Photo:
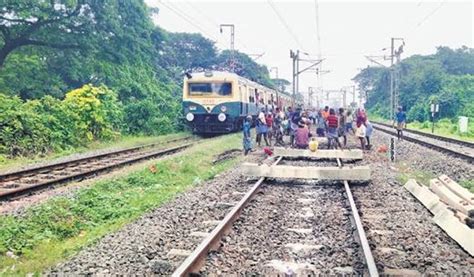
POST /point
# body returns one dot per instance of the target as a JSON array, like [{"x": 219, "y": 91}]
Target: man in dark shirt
[{"x": 401, "y": 119}]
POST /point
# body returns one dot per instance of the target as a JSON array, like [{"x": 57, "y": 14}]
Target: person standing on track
[
  {"x": 262, "y": 128},
  {"x": 325, "y": 112},
  {"x": 368, "y": 134},
  {"x": 320, "y": 125},
  {"x": 247, "y": 140},
  {"x": 349, "y": 121},
  {"x": 342, "y": 125},
  {"x": 332, "y": 123},
  {"x": 294, "y": 120},
  {"x": 401, "y": 119},
  {"x": 277, "y": 126},
  {"x": 361, "y": 127},
  {"x": 269, "y": 122}
]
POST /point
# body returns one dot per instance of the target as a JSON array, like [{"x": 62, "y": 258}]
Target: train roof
[
  {"x": 231, "y": 75},
  {"x": 225, "y": 74}
]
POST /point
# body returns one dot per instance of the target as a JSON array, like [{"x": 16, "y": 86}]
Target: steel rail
[
  {"x": 194, "y": 261},
  {"x": 416, "y": 132},
  {"x": 28, "y": 188},
  {"x": 6, "y": 175},
  {"x": 369, "y": 258},
  {"x": 467, "y": 157}
]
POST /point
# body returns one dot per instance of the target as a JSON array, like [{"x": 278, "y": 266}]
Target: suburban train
[{"x": 217, "y": 101}]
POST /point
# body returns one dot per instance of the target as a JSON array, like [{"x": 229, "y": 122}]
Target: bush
[
  {"x": 98, "y": 113},
  {"x": 49, "y": 124}
]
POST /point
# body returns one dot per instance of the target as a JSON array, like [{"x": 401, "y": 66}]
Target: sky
[{"x": 348, "y": 31}]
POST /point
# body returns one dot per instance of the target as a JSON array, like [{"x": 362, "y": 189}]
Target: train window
[{"x": 223, "y": 89}]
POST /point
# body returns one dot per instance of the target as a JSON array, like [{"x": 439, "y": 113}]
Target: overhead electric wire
[
  {"x": 318, "y": 37},
  {"x": 183, "y": 16},
  {"x": 288, "y": 28},
  {"x": 430, "y": 14},
  {"x": 210, "y": 20}
]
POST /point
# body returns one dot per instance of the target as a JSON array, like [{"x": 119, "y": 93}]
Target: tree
[
  {"x": 244, "y": 66},
  {"x": 445, "y": 76},
  {"x": 55, "y": 24}
]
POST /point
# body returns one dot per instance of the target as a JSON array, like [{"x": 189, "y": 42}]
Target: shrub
[{"x": 49, "y": 124}]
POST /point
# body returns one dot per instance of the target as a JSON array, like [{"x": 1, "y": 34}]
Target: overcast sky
[{"x": 348, "y": 30}]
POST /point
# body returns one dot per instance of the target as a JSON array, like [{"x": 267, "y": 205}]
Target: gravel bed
[
  {"x": 403, "y": 237},
  {"x": 145, "y": 246},
  {"x": 259, "y": 241},
  {"x": 75, "y": 156}
]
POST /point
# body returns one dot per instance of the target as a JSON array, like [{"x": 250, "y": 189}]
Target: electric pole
[
  {"x": 276, "y": 75},
  {"x": 394, "y": 74},
  {"x": 295, "y": 57},
  {"x": 232, "y": 36}
]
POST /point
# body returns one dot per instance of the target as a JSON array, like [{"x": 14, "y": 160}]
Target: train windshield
[{"x": 221, "y": 89}]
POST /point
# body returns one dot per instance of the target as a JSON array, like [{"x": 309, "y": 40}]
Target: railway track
[
  {"x": 457, "y": 148},
  {"x": 21, "y": 182},
  {"x": 194, "y": 262}
]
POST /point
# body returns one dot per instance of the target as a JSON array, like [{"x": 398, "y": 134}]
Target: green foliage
[
  {"x": 48, "y": 124},
  {"x": 244, "y": 66},
  {"x": 108, "y": 202},
  {"x": 48, "y": 48},
  {"x": 97, "y": 110},
  {"x": 445, "y": 77}
]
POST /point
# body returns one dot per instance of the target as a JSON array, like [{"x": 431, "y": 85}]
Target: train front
[{"x": 210, "y": 104}]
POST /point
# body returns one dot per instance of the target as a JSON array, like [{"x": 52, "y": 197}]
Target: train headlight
[
  {"x": 221, "y": 117},
  {"x": 223, "y": 109},
  {"x": 189, "y": 117}
]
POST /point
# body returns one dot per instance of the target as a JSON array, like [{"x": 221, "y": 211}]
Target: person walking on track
[
  {"x": 247, "y": 140},
  {"x": 401, "y": 119},
  {"x": 262, "y": 128},
  {"x": 332, "y": 123},
  {"x": 342, "y": 125},
  {"x": 361, "y": 122}
]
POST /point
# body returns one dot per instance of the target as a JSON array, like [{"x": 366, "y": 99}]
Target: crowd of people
[{"x": 335, "y": 125}]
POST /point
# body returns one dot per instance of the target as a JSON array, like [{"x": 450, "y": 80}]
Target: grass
[
  {"x": 123, "y": 142},
  {"x": 406, "y": 173},
  {"x": 469, "y": 184},
  {"x": 443, "y": 127},
  {"x": 423, "y": 177},
  {"x": 58, "y": 228}
]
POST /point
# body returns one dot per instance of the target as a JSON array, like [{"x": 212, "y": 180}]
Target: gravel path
[
  {"x": 294, "y": 228},
  {"x": 402, "y": 235},
  {"x": 160, "y": 240}
]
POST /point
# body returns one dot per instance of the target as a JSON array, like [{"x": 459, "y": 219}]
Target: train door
[
  {"x": 245, "y": 100},
  {"x": 241, "y": 92}
]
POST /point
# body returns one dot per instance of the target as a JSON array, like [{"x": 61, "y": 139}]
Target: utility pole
[
  {"x": 232, "y": 36},
  {"x": 394, "y": 91},
  {"x": 310, "y": 97},
  {"x": 276, "y": 75},
  {"x": 344, "y": 95},
  {"x": 295, "y": 56}
]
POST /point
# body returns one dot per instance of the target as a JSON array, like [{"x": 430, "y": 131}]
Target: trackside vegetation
[
  {"x": 445, "y": 78},
  {"x": 58, "y": 228},
  {"x": 63, "y": 63}
]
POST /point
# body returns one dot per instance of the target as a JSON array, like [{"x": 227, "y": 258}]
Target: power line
[
  {"x": 430, "y": 14},
  {"x": 282, "y": 20},
  {"x": 213, "y": 22},
  {"x": 316, "y": 11},
  {"x": 208, "y": 18},
  {"x": 185, "y": 17}
]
